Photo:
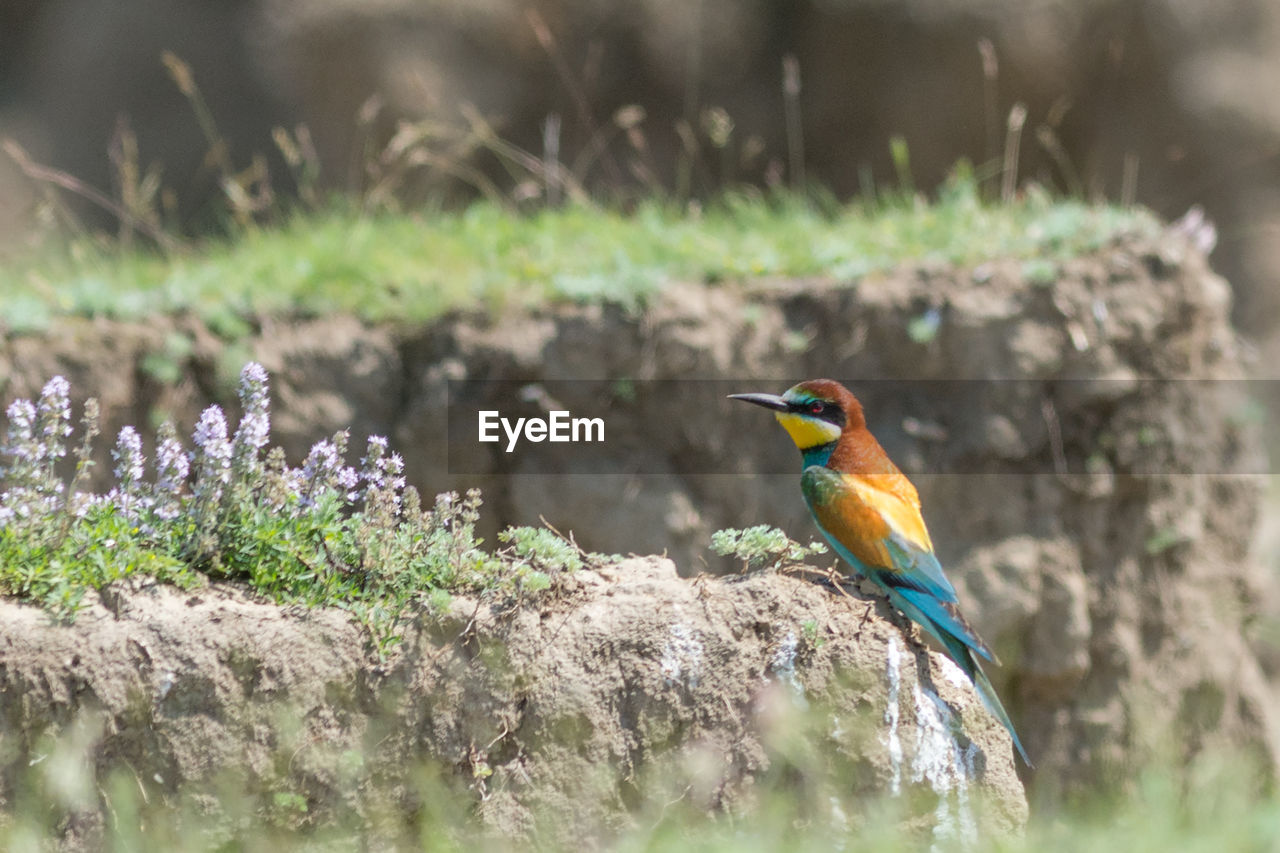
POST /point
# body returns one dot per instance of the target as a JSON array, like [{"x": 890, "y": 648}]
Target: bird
[{"x": 869, "y": 512}]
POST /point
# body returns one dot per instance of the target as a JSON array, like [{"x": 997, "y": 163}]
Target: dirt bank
[{"x": 565, "y": 719}]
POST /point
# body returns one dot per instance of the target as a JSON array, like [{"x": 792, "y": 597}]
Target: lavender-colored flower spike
[
  {"x": 55, "y": 418},
  {"x": 255, "y": 425},
  {"x": 22, "y": 425},
  {"x": 129, "y": 471},
  {"x": 22, "y": 419},
  {"x": 382, "y": 474},
  {"x": 34, "y": 487},
  {"x": 348, "y": 481},
  {"x": 321, "y": 463},
  {"x": 212, "y": 455},
  {"x": 128, "y": 458},
  {"x": 393, "y": 468},
  {"x": 371, "y": 467},
  {"x": 21, "y": 445},
  {"x": 172, "y": 468}
]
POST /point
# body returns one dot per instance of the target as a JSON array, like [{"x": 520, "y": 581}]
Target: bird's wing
[
  {"x": 879, "y": 523},
  {"x": 875, "y": 524}
]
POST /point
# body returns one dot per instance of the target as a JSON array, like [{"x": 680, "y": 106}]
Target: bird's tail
[
  {"x": 962, "y": 645},
  {"x": 963, "y": 655}
]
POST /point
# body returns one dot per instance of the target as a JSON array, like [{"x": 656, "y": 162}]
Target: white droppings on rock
[
  {"x": 682, "y": 656},
  {"x": 969, "y": 825},
  {"x": 839, "y": 824},
  {"x": 783, "y": 667},
  {"x": 167, "y": 680},
  {"x": 893, "y": 743},
  {"x": 940, "y": 763},
  {"x": 951, "y": 672}
]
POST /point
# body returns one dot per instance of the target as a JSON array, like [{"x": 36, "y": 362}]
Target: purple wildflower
[
  {"x": 393, "y": 472},
  {"x": 172, "y": 468},
  {"x": 371, "y": 466},
  {"x": 55, "y": 417},
  {"x": 382, "y": 475},
  {"x": 22, "y": 429},
  {"x": 127, "y": 453},
  {"x": 321, "y": 463},
  {"x": 255, "y": 425},
  {"x": 22, "y": 418},
  {"x": 20, "y": 441},
  {"x": 323, "y": 471},
  {"x": 128, "y": 458},
  {"x": 212, "y": 454},
  {"x": 348, "y": 479}
]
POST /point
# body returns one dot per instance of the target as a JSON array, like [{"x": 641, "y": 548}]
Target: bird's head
[{"x": 815, "y": 413}]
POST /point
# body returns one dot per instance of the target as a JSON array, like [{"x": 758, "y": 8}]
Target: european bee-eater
[{"x": 870, "y": 513}]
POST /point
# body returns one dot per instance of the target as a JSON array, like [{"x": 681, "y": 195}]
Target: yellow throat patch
[{"x": 808, "y": 432}]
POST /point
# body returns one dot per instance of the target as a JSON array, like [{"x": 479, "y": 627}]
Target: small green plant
[
  {"x": 542, "y": 549},
  {"x": 1162, "y": 540},
  {"x": 762, "y": 546},
  {"x": 289, "y": 804},
  {"x": 811, "y": 636},
  {"x": 1041, "y": 272}
]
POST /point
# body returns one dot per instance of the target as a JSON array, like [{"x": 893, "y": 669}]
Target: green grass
[
  {"x": 416, "y": 266},
  {"x": 1215, "y": 806}
]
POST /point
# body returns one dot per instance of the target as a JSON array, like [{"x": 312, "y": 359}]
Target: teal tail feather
[
  {"x": 961, "y": 644},
  {"x": 963, "y": 656}
]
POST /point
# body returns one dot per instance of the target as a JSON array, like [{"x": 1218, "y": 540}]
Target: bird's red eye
[{"x": 816, "y": 408}]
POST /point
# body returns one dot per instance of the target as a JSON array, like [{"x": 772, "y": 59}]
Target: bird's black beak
[{"x": 769, "y": 401}]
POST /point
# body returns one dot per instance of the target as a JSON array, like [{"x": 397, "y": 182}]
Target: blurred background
[{"x": 1164, "y": 102}]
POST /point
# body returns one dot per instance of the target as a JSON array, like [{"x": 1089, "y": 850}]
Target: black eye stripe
[{"x": 821, "y": 409}]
